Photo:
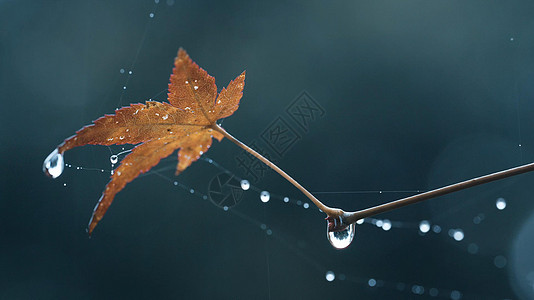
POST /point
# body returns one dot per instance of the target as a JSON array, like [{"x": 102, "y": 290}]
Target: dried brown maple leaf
[
  {"x": 185, "y": 123},
  {"x": 188, "y": 123}
]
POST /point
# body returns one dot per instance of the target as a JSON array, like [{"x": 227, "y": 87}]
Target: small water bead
[
  {"x": 379, "y": 223},
  {"x": 299, "y": 202},
  {"x": 306, "y": 205},
  {"x": 456, "y": 295},
  {"x": 192, "y": 191},
  {"x": 500, "y": 261},
  {"x": 124, "y": 87},
  {"x": 54, "y": 164},
  {"x": 458, "y": 235},
  {"x": 500, "y": 204},
  {"x": 371, "y": 282},
  {"x": 434, "y": 292},
  {"x": 330, "y": 276},
  {"x": 114, "y": 159},
  {"x": 151, "y": 15},
  {"x": 418, "y": 289},
  {"x": 265, "y": 196},
  {"x": 472, "y": 248},
  {"x": 386, "y": 225},
  {"x": 245, "y": 185},
  {"x": 121, "y": 71},
  {"x": 130, "y": 72},
  {"x": 424, "y": 226},
  {"x": 341, "y": 239},
  {"x": 286, "y": 199}
]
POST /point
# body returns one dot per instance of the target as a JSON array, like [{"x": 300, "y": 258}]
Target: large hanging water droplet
[
  {"x": 341, "y": 239},
  {"x": 113, "y": 159},
  {"x": 53, "y": 164}
]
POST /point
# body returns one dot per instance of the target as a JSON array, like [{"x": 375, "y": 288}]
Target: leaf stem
[
  {"x": 351, "y": 217},
  {"x": 328, "y": 210}
]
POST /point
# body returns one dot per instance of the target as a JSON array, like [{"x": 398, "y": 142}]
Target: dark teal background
[{"x": 416, "y": 94}]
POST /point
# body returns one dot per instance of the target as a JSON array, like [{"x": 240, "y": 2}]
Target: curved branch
[
  {"x": 347, "y": 218},
  {"x": 331, "y": 212}
]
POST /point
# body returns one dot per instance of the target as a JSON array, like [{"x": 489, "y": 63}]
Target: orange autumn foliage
[{"x": 185, "y": 123}]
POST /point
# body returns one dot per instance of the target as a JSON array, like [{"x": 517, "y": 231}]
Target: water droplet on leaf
[
  {"x": 53, "y": 164},
  {"x": 341, "y": 239}
]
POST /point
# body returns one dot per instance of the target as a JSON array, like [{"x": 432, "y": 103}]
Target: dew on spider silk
[
  {"x": 113, "y": 159},
  {"x": 265, "y": 196},
  {"x": 263, "y": 226},
  {"x": 192, "y": 191},
  {"x": 500, "y": 261},
  {"x": 436, "y": 228},
  {"x": 122, "y": 71},
  {"x": 360, "y": 221},
  {"x": 54, "y": 164},
  {"x": 458, "y": 235},
  {"x": 434, "y": 292},
  {"x": 151, "y": 15},
  {"x": 306, "y": 205},
  {"x": 269, "y": 232},
  {"x": 245, "y": 185},
  {"x": 341, "y": 239},
  {"x": 130, "y": 72},
  {"x": 286, "y": 199},
  {"x": 418, "y": 289},
  {"x": 472, "y": 248},
  {"x": 371, "y": 282},
  {"x": 330, "y": 276},
  {"x": 424, "y": 226},
  {"x": 456, "y": 295},
  {"x": 500, "y": 203},
  {"x": 379, "y": 223},
  {"x": 386, "y": 225}
]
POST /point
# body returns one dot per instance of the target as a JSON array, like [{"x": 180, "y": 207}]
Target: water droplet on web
[
  {"x": 330, "y": 276},
  {"x": 386, "y": 225},
  {"x": 151, "y": 15},
  {"x": 341, "y": 239},
  {"x": 424, "y": 226},
  {"x": 53, "y": 165},
  {"x": 114, "y": 159},
  {"x": 265, "y": 196},
  {"x": 500, "y": 203},
  {"x": 286, "y": 199},
  {"x": 245, "y": 185}
]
